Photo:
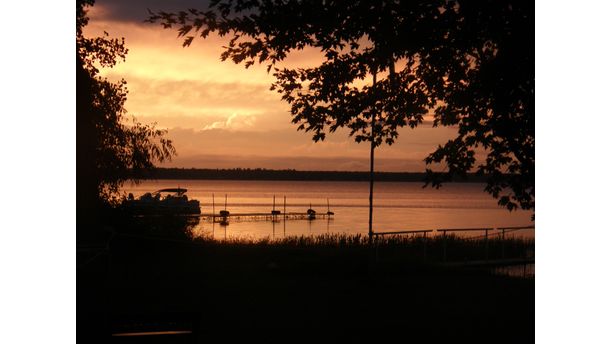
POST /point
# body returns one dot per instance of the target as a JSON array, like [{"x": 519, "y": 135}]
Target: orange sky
[{"x": 221, "y": 115}]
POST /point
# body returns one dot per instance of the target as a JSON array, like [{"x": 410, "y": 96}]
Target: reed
[
  {"x": 397, "y": 248},
  {"x": 400, "y": 248}
]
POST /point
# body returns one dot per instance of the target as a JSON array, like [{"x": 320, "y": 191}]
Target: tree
[
  {"x": 444, "y": 60},
  {"x": 110, "y": 150},
  {"x": 327, "y": 97},
  {"x": 491, "y": 100}
]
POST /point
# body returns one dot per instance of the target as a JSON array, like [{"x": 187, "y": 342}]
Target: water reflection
[
  {"x": 260, "y": 229},
  {"x": 398, "y": 206}
]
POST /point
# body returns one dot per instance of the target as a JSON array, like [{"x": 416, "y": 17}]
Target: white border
[
  {"x": 573, "y": 59},
  {"x": 37, "y": 253}
]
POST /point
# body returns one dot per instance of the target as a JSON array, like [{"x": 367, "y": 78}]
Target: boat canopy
[{"x": 179, "y": 191}]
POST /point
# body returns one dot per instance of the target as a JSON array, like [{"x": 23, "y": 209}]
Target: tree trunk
[{"x": 372, "y": 146}]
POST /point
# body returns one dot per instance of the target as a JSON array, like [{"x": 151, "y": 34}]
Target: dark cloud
[{"x": 136, "y": 10}]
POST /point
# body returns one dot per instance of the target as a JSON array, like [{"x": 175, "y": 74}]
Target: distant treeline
[{"x": 266, "y": 174}]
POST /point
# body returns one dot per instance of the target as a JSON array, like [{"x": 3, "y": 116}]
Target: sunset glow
[{"x": 221, "y": 115}]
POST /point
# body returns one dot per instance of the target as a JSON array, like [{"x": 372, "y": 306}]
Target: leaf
[{"x": 187, "y": 41}]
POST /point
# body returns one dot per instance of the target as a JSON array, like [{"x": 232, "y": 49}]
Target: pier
[
  {"x": 264, "y": 216},
  {"x": 224, "y": 216}
]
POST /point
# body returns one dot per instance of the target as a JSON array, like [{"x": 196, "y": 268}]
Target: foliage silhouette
[
  {"x": 110, "y": 149},
  {"x": 470, "y": 62},
  {"x": 492, "y": 100}
]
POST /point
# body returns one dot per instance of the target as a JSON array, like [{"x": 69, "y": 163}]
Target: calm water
[{"x": 397, "y": 206}]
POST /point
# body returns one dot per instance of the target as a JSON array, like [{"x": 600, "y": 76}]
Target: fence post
[
  {"x": 444, "y": 246},
  {"x": 424, "y": 246},
  {"x": 376, "y": 243},
  {"x": 503, "y": 255},
  {"x": 487, "y": 244}
]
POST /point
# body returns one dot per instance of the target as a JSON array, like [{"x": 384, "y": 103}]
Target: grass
[
  {"x": 412, "y": 248},
  {"x": 326, "y": 288}
]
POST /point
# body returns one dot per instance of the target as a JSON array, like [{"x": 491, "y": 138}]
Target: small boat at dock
[{"x": 312, "y": 214}]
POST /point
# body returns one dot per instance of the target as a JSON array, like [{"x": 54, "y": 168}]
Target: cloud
[
  {"x": 126, "y": 19},
  {"x": 135, "y": 11},
  {"x": 233, "y": 122},
  {"x": 203, "y": 94},
  {"x": 222, "y": 115},
  {"x": 190, "y": 88}
]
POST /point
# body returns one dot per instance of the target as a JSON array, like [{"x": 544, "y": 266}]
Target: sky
[{"x": 221, "y": 115}]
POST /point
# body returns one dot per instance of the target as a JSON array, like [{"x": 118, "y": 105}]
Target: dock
[
  {"x": 224, "y": 216},
  {"x": 265, "y": 216}
]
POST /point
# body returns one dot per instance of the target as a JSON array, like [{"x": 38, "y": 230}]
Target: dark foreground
[{"x": 222, "y": 293}]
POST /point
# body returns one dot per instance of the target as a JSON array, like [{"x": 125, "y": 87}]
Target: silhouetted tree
[
  {"x": 110, "y": 149},
  {"x": 491, "y": 99},
  {"x": 452, "y": 56}
]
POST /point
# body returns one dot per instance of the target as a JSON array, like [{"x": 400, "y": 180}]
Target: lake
[{"x": 397, "y": 206}]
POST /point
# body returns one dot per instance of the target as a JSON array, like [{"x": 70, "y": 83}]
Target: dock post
[
  {"x": 273, "y": 209},
  {"x": 213, "y": 207},
  {"x": 285, "y": 207}
]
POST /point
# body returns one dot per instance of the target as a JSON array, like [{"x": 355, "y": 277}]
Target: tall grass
[
  {"x": 411, "y": 247},
  {"x": 397, "y": 247}
]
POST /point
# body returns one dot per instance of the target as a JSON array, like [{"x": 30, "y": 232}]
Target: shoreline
[{"x": 295, "y": 175}]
